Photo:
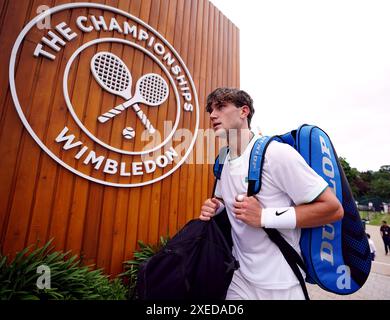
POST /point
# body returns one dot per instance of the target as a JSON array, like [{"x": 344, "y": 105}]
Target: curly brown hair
[{"x": 237, "y": 97}]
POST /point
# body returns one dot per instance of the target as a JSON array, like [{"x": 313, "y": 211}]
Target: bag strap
[
  {"x": 222, "y": 219},
  {"x": 292, "y": 257},
  {"x": 218, "y": 166},
  {"x": 254, "y": 185},
  {"x": 219, "y": 161}
]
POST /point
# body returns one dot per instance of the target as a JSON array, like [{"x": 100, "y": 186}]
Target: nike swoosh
[{"x": 279, "y": 213}]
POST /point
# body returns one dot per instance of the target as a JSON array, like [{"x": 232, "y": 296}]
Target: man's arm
[{"x": 323, "y": 210}]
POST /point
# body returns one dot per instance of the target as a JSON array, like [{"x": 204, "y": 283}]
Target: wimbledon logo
[{"x": 106, "y": 96}]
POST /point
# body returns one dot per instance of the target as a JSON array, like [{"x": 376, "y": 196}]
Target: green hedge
[
  {"x": 375, "y": 218},
  {"x": 69, "y": 279},
  {"x": 132, "y": 266}
]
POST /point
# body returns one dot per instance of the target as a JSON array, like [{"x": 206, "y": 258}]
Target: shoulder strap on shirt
[
  {"x": 218, "y": 165},
  {"x": 222, "y": 219},
  {"x": 256, "y": 162}
]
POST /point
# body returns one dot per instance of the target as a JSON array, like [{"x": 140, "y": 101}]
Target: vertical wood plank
[
  {"x": 207, "y": 73},
  {"x": 189, "y": 209},
  {"x": 200, "y": 79},
  {"x": 185, "y": 54},
  {"x": 176, "y": 176}
]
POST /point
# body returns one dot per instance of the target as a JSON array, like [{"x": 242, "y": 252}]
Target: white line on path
[{"x": 377, "y": 262}]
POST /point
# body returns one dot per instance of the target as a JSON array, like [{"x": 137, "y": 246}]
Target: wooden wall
[{"x": 40, "y": 200}]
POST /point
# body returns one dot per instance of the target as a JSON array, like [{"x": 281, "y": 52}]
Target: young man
[
  {"x": 385, "y": 233},
  {"x": 293, "y": 196}
]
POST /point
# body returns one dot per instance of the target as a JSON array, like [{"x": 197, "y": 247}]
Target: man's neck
[{"x": 238, "y": 141}]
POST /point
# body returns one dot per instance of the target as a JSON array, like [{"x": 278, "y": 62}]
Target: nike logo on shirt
[{"x": 280, "y": 213}]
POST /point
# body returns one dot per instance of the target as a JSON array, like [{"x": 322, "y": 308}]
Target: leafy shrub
[
  {"x": 145, "y": 252},
  {"x": 68, "y": 278}
]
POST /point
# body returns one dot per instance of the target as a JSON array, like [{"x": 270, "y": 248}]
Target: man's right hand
[{"x": 209, "y": 208}]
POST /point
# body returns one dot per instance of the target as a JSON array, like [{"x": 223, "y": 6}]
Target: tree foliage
[{"x": 369, "y": 186}]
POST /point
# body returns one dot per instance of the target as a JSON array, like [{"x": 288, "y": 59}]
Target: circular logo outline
[{"x": 20, "y": 112}]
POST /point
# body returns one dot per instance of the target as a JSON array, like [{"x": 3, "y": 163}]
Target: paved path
[{"x": 377, "y": 286}]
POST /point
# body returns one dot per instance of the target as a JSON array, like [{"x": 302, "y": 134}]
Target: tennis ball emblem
[{"x": 128, "y": 133}]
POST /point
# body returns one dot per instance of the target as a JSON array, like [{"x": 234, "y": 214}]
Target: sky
[{"x": 325, "y": 63}]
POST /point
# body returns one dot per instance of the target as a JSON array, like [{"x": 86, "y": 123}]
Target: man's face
[{"x": 226, "y": 117}]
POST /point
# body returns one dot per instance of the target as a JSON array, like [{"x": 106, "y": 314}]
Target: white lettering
[
  {"x": 123, "y": 170},
  {"x": 111, "y": 166},
  {"x": 137, "y": 168},
  {"x": 324, "y": 147},
  {"x": 327, "y": 167},
  {"x": 156, "y": 310},
  {"x": 99, "y": 23},
  {"x": 162, "y": 161},
  {"x": 150, "y": 166},
  {"x": 114, "y": 25},
  {"x": 159, "y": 49},
  {"x": 169, "y": 59},
  {"x": 39, "y": 51},
  {"x": 188, "y": 107},
  {"x": 130, "y": 29},
  {"x": 82, "y": 27},
  {"x": 328, "y": 231},
  {"x": 93, "y": 159},
  {"x": 326, "y": 252},
  {"x": 69, "y": 140},
  {"x": 344, "y": 281},
  {"x": 332, "y": 185},
  {"x": 182, "y": 80},
  {"x": 176, "y": 70},
  {"x": 171, "y": 153},
  {"x": 143, "y": 35},
  {"x": 151, "y": 41},
  {"x": 81, "y": 153},
  {"x": 54, "y": 41},
  {"x": 187, "y": 96},
  {"x": 65, "y": 31}
]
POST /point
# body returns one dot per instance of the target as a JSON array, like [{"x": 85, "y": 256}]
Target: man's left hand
[{"x": 248, "y": 210}]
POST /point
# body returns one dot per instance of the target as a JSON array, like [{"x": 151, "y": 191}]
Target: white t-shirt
[{"x": 286, "y": 181}]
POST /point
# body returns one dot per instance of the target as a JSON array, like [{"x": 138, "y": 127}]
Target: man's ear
[{"x": 245, "y": 110}]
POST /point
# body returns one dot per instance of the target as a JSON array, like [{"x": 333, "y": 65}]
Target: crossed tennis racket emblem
[{"x": 112, "y": 74}]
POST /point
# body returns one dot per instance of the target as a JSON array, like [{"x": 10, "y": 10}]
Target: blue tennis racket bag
[{"x": 336, "y": 256}]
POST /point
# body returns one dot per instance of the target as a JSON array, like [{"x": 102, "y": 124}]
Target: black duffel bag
[{"x": 197, "y": 263}]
